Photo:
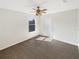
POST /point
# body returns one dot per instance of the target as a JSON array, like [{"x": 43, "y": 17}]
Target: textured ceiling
[{"x": 26, "y": 6}]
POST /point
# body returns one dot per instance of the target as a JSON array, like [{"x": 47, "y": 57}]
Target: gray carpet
[{"x": 40, "y": 48}]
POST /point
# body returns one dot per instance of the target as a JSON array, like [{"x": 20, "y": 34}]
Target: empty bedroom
[{"x": 39, "y": 29}]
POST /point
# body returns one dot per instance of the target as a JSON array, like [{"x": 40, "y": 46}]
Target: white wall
[
  {"x": 61, "y": 26},
  {"x": 45, "y": 25},
  {"x": 66, "y": 26},
  {"x": 78, "y": 27},
  {"x": 13, "y": 28}
]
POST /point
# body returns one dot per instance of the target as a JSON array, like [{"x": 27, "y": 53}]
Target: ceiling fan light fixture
[{"x": 39, "y": 11}]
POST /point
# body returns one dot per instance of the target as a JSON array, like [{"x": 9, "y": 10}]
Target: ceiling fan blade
[{"x": 44, "y": 10}]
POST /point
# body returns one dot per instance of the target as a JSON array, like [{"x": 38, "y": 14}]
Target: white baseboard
[{"x": 68, "y": 42}]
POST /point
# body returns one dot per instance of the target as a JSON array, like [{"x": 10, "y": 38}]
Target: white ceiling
[{"x": 26, "y": 6}]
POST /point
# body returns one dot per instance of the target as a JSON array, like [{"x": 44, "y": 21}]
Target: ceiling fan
[{"x": 39, "y": 11}]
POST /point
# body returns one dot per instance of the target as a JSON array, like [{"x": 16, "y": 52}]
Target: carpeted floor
[{"x": 40, "y": 48}]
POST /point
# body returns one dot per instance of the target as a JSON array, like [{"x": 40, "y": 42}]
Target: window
[{"x": 31, "y": 25}]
